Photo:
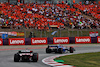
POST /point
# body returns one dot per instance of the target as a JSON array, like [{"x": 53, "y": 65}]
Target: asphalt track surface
[{"x": 7, "y": 54}]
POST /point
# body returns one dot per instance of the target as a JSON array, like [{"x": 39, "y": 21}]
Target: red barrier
[
  {"x": 1, "y": 42},
  {"x": 60, "y": 40},
  {"x": 98, "y": 39},
  {"x": 82, "y": 39},
  {"x": 38, "y": 41},
  {"x": 16, "y": 41}
]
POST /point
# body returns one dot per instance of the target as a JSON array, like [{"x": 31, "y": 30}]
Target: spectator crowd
[
  {"x": 44, "y": 16},
  {"x": 90, "y": 8}
]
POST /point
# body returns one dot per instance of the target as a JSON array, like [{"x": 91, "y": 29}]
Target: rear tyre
[
  {"x": 56, "y": 51},
  {"x": 60, "y": 50},
  {"x": 48, "y": 50},
  {"x": 16, "y": 58},
  {"x": 71, "y": 49},
  {"x": 35, "y": 57}
]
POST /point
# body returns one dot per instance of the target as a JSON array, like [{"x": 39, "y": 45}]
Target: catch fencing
[{"x": 33, "y": 33}]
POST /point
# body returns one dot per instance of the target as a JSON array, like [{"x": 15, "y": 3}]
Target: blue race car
[{"x": 59, "y": 49}]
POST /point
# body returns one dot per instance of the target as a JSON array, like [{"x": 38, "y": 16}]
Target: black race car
[{"x": 25, "y": 55}]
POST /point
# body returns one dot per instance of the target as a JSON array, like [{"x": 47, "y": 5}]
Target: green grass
[{"x": 82, "y": 60}]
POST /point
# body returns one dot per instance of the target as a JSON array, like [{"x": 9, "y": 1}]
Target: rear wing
[
  {"x": 59, "y": 46},
  {"x": 25, "y": 51},
  {"x": 52, "y": 46}
]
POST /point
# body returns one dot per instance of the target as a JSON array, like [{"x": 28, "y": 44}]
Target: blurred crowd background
[{"x": 49, "y": 14}]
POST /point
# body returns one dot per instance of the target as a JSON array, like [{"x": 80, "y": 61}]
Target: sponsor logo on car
[{"x": 26, "y": 54}]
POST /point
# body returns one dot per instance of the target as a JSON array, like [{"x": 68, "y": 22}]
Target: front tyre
[
  {"x": 55, "y": 51},
  {"x": 35, "y": 57},
  {"x": 16, "y": 58},
  {"x": 60, "y": 50}
]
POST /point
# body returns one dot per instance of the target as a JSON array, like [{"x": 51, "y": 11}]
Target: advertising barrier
[
  {"x": 16, "y": 41},
  {"x": 38, "y": 41},
  {"x": 98, "y": 39},
  {"x": 54, "y": 40},
  {"x": 93, "y": 39},
  {"x": 1, "y": 42},
  {"x": 60, "y": 40},
  {"x": 82, "y": 40}
]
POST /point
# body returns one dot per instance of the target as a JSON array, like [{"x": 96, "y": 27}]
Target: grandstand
[
  {"x": 42, "y": 1},
  {"x": 45, "y": 15}
]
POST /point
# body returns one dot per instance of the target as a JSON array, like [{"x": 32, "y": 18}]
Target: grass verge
[{"x": 82, "y": 60}]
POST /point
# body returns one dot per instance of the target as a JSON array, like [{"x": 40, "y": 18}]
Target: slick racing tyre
[
  {"x": 16, "y": 58},
  {"x": 71, "y": 49},
  {"x": 48, "y": 50},
  {"x": 35, "y": 57},
  {"x": 60, "y": 50},
  {"x": 55, "y": 51}
]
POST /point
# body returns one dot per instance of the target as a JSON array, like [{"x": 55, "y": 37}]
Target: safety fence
[
  {"x": 52, "y": 40},
  {"x": 31, "y": 33}
]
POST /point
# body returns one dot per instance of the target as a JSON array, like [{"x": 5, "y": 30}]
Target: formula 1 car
[
  {"x": 59, "y": 49},
  {"x": 25, "y": 55}
]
